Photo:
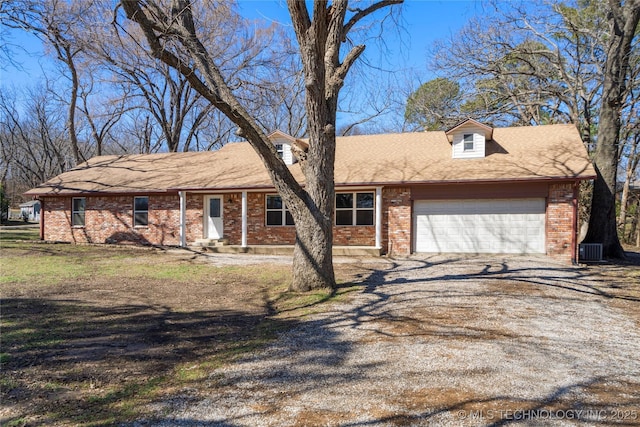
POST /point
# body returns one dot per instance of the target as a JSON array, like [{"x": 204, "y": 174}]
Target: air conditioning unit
[{"x": 590, "y": 252}]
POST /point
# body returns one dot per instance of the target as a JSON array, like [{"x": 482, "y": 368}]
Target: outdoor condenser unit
[{"x": 590, "y": 252}]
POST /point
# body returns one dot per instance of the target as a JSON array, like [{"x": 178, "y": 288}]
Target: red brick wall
[
  {"x": 194, "y": 214},
  {"x": 232, "y": 217},
  {"x": 358, "y": 235},
  {"x": 396, "y": 221},
  {"x": 57, "y": 219},
  {"x": 258, "y": 233},
  {"x": 560, "y": 221},
  {"x": 109, "y": 219}
]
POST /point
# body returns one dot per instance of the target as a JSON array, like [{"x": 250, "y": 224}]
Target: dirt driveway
[{"x": 444, "y": 341}]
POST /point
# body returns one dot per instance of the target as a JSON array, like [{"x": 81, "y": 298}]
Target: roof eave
[
  {"x": 97, "y": 193},
  {"x": 488, "y": 129},
  {"x": 470, "y": 181},
  {"x": 269, "y": 187}
]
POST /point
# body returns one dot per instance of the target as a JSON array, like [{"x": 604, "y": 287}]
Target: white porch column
[
  {"x": 183, "y": 218},
  {"x": 378, "y": 217},
  {"x": 244, "y": 219}
]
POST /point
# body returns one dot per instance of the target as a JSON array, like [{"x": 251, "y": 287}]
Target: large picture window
[
  {"x": 77, "y": 211},
  {"x": 277, "y": 212},
  {"x": 354, "y": 208},
  {"x": 141, "y": 211}
]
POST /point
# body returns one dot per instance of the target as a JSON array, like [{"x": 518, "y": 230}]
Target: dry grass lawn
[
  {"x": 98, "y": 335},
  {"x": 92, "y": 334}
]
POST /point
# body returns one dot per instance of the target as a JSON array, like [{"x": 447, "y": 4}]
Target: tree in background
[
  {"x": 528, "y": 65},
  {"x": 33, "y": 141},
  {"x": 435, "y": 105},
  {"x": 4, "y": 205},
  {"x": 623, "y": 25},
  {"x": 175, "y": 114},
  {"x": 51, "y": 22}
]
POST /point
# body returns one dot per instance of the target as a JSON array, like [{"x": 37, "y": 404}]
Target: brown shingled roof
[{"x": 514, "y": 154}]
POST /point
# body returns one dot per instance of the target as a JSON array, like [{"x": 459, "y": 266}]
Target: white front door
[{"x": 213, "y": 207}]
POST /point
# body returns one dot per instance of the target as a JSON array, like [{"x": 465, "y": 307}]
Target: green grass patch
[
  {"x": 48, "y": 269},
  {"x": 8, "y": 234},
  {"x": 142, "y": 269},
  {"x": 38, "y": 337},
  {"x": 4, "y": 358},
  {"x": 19, "y": 422}
]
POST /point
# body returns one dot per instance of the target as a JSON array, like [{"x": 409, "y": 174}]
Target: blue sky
[
  {"x": 402, "y": 55},
  {"x": 424, "y": 21}
]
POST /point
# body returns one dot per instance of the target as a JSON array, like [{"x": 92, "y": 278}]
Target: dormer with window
[
  {"x": 283, "y": 143},
  {"x": 468, "y": 139}
]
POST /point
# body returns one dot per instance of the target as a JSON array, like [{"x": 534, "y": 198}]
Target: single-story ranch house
[{"x": 471, "y": 189}]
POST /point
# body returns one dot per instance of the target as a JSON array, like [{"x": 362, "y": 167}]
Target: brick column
[
  {"x": 561, "y": 221},
  {"x": 396, "y": 220}
]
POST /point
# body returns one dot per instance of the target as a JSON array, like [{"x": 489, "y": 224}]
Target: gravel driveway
[{"x": 442, "y": 341}]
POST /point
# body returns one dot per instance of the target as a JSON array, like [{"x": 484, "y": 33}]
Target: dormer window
[
  {"x": 468, "y": 142},
  {"x": 280, "y": 150},
  {"x": 468, "y": 139},
  {"x": 283, "y": 144}
]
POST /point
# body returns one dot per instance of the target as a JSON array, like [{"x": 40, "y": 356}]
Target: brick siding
[
  {"x": 396, "y": 221},
  {"x": 560, "y": 221},
  {"x": 109, "y": 219},
  {"x": 194, "y": 217}
]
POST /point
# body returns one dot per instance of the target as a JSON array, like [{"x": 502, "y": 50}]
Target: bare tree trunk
[
  {"x": 602, "y": 223},
  {"x": 624, "y": 200},
  {"x": 634, "y": 225},
  {"x": 637, "y": 231},
  {"x": 630, "y": 169},
  {"x": 320, "y": 39},
  {"x": 71, "y": 116}
]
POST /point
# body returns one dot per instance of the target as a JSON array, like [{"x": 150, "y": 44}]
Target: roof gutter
[
  {"x": 468, "y": 181},
  {"x": 175, "y": 190}
]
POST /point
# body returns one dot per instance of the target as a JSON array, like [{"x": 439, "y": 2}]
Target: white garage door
[{"x": 480, "y": 226}]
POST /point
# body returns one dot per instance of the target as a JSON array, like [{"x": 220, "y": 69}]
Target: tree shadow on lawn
[
  {"x": 317, "y": 355},
  {"x": 72, "y": 362},
  {"x": 556, "y": 407},
  {"x": 607, "y": 400},
  {"x": 80, "y": 363}
]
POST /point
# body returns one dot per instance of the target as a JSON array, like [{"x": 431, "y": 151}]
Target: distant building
[{"x": 30, "y": 210}]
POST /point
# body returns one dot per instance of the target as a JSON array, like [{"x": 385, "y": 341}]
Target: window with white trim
[
  {"x": 354, "y": 208},
  {"x": 77, "y": 211},
  {"x": 468, "y": 142},
  {"x": 276, "y": 212},
  {"x": 141, "y": 211}
]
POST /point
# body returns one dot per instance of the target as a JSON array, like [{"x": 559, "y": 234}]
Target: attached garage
[
  {"x": 480, "y": 226},
  {"x": 470, "y": 189}
]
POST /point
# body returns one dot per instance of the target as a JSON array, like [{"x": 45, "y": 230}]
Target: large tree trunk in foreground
[
  {"x": 623, "y": 21},
  {"x": 312, "y": 255},
  {"x": 320, "y": 38}
]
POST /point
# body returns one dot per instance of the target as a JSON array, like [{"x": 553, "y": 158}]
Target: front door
[{"x": 214, "y": 217}]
